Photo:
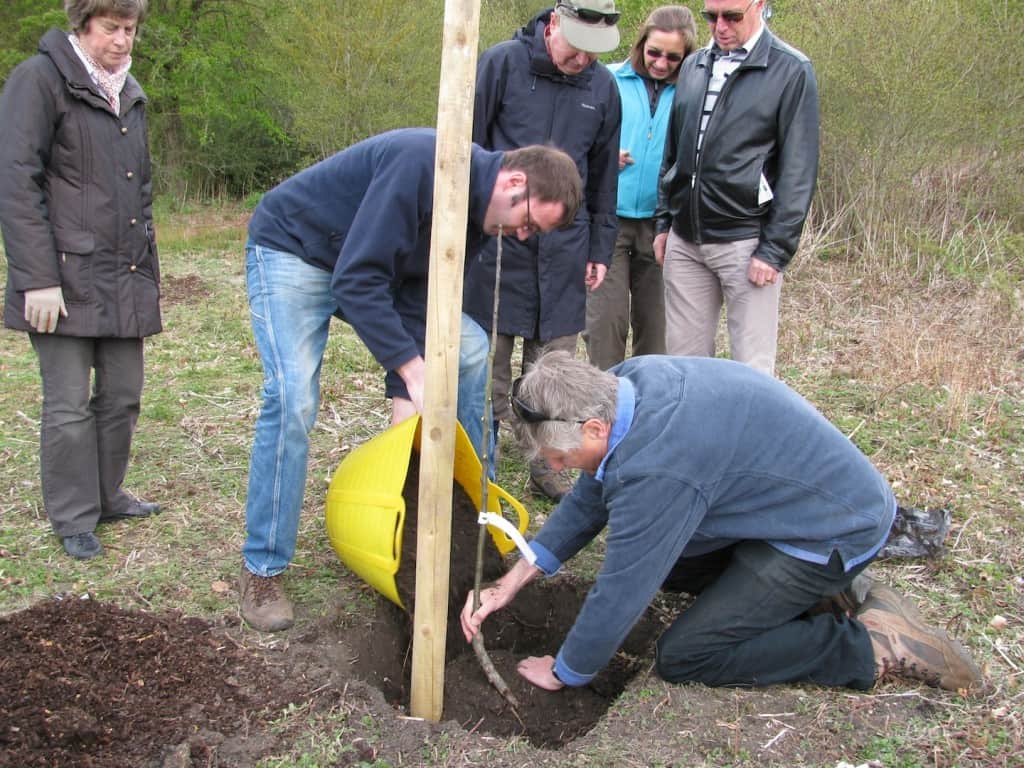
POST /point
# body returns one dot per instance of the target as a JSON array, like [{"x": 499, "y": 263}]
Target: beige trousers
[{"x": 698, "y": 278}]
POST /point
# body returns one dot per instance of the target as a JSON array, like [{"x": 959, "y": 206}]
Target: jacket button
[
  {"x": 131, "y": 268},
  {"x": 124, "y": 130},
  {"x": 130, "y": 174}
]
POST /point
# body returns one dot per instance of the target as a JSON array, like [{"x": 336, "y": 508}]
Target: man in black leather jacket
[{"x": 741, "y": 160}]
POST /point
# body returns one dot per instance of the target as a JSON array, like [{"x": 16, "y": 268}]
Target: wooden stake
[{"x": 444, "y": 302}]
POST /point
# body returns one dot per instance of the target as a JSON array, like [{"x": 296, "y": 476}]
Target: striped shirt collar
[{"x": 737, "y": 54}]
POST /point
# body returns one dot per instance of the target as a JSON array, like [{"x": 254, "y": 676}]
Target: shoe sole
[{"x": 900, "y": 614}]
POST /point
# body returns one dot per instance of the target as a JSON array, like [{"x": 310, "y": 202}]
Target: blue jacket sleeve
[
  {"x": 384, "y": 233},
  {"x": 26, "y": 134},
  {"x": 602, "y": 192},
  {"x": 651, "y": 519},
  {"x": 490, "y": 91}
]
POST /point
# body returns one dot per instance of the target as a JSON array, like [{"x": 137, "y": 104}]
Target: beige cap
[{"x": 589, "y": 25}]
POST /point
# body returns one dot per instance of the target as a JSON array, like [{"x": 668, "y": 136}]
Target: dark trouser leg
[
  {"x": 532, "y": 348},
  {"x": 747, "y": 626},
  {"x": 607, "y": 325},
  {"x": 68, "y": 462},
  {"x": 647, "y": 288},
  {"x": 501, "y": 376},
  {"x": 116, "y": 402}
]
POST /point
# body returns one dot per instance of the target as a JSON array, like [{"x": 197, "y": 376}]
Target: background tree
[{"x": 922, "y": 104}]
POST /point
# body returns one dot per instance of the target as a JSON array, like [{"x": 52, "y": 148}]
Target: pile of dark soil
[
  {"x": 87, "y": 684},
  {"x": 84, "y": 683}
]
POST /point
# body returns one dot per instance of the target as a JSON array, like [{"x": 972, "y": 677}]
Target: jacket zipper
[{"x": 694, "y": 195}]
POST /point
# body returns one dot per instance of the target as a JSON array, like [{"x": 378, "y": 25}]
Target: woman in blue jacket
[{"x": 646, "y": 84}]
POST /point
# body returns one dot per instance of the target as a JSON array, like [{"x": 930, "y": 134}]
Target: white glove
[{"x": 43, "y": 306}]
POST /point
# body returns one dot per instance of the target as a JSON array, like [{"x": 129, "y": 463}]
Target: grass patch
[{"x": 924, "y": 374}]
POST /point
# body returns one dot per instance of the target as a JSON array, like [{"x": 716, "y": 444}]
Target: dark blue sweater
[
  {"x": 703, "y": 453},
  {"x": 364, "y": 214}
]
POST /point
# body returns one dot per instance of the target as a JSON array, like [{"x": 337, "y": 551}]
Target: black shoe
[
  {"x": 83, "y": 546},
  {"x": 136, "y": 509}
]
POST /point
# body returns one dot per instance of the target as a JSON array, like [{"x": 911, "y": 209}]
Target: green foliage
[
  {"x": 359, "y": 69},
  {"x": 218, "y": 120},
  {"x": 921, "y": 147},
  {"x": 22, "y": 23}
]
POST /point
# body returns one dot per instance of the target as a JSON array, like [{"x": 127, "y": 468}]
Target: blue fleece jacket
[
  {"x": 643, "y": 134},
  {"x": 705, "y": 452},
  {"x": 364, "y": 214}
]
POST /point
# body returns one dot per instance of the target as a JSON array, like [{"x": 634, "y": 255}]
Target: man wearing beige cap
[{"x": 545, "y": 85}]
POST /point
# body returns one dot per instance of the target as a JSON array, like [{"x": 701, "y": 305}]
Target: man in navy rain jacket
[
  {"x": 546, "y": 86},
  {"x": 715, "y": 479}
]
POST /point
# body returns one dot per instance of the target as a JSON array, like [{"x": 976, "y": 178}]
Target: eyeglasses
[
  {"x": 529, "y": 225},
  {"x": 528, "y": 414},
  {"x": 590, "y": 17},
  {"x": 654, "y": 53},
  {"x": 730, "y": 17}
]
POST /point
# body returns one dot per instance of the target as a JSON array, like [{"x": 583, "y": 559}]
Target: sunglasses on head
[
  {"x": 655, "y": 53},
  {"x": 528, "y": 414},
  {"x": 732, "y": 17},
  {"x": 590, "y": 17}
]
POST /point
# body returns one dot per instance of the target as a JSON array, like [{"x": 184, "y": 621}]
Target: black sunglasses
[
  {"x": 590, "y": 17},
  {"x": 732, "y": 17},
  {"x": 655, "y": 53},
  {"x": 528, "y": 414}
]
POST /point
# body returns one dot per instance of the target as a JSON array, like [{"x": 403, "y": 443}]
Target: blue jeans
[
  {"x": 290, "y": 305},
  {"x": 748, "y": 626}
]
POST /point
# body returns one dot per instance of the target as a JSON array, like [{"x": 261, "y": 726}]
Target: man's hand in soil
[
  {"x": 492, "y": 598},
  {"x": 495, "y": 597},
  {"x": 540, "y": 670}
]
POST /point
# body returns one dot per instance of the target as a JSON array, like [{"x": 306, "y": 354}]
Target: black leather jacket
[{"x": 765, "y": 122}]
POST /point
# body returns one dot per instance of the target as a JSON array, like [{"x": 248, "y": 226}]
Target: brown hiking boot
[
  {"x": 552, "y": 484},
  {"x": 906, "y": 647},
  {"x": 264, "y": 606}
]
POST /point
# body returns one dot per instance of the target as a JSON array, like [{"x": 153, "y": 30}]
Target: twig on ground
[{"x": 493, "y": 677}]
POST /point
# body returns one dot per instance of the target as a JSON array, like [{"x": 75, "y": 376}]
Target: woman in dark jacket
[{"x": 83, "y": 279}]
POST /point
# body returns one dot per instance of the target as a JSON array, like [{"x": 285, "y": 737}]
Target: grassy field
[{"x": 923, "y": 369}]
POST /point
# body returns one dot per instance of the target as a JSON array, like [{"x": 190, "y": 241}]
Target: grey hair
[
  {"x": 569, "y": 390},
  {"x": 80, "y": 11}
]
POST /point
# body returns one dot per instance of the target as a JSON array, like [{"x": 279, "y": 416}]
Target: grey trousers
[
  {"x": 86, "y": 432},
  {"x": 632, "y": 295},
  {"x": 697, "y": 279},
  {"x": 502, "y": 374}
]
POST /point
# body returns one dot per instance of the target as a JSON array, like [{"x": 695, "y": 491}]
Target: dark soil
[
  {"x": 533, "y": 625},
  {"x": 186, "y": 289},
  {"x": 84, "y": 683},
  {"x": 88, "y": 684}
]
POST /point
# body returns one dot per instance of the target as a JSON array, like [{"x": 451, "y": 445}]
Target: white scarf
[{"x": 109, "y": 82}]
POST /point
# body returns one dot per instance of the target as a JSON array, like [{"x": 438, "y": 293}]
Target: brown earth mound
[{"x": 84, "y": 683}]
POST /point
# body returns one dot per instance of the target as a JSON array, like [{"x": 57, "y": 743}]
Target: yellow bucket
[{"x": 366, "y": 510}]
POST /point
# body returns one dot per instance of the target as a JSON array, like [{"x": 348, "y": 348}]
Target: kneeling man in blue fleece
[{"x": 717, "y": 480}]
